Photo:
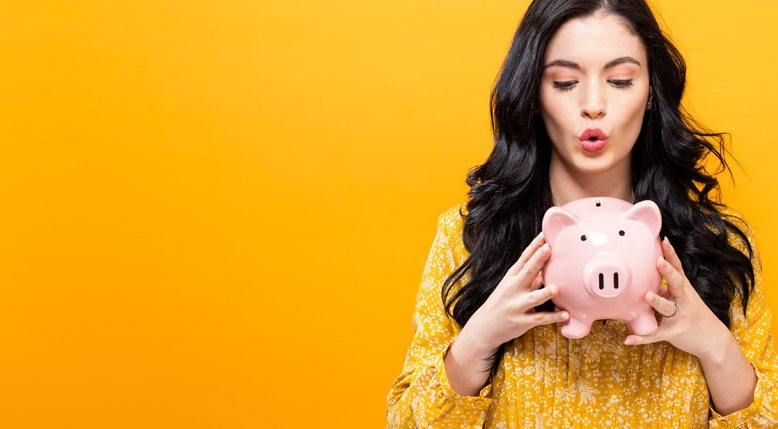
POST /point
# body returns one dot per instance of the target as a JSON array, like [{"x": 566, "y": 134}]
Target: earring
[{"x": 650, "y": 95}]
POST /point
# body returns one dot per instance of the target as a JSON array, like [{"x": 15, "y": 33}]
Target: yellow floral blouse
[{"x": 546, "y": 380}]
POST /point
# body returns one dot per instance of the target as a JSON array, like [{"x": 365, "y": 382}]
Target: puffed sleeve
[
  {"x": 752, "y": 333},
  {"x": 421, "y": 396}
]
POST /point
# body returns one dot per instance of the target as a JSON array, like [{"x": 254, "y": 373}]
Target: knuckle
[
  {"x": 538, "y": 318},
  {"x": 539, "y": 255},
  {"x": 514, "y": 308},
  {"x": 514, "y": 324},
  {"x": 532, "y": 298}
]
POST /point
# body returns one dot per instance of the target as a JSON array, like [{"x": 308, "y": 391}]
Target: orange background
[{"x": 216, "y": 213}]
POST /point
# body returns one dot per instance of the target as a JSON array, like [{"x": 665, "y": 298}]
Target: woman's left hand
[{"x": 694, "y": 328}]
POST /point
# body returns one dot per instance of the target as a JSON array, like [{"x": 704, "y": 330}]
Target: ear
[
  {"x": 650, "y": 98},
  {"x": 647, "y": 213},
  {"x": 555, "y": 220}
]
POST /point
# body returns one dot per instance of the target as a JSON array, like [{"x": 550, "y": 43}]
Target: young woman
[{"x": 486, "y": 352}]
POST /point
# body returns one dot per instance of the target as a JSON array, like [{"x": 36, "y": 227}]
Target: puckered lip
[{"x": 593, "y": 132}]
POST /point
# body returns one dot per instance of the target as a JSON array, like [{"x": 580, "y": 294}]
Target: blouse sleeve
[
  {"x": 421, "y": 396},
  {"x": 752, "y": 333}
]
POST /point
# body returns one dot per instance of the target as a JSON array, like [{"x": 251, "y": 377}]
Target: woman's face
[{"x": 595, "y": 77}]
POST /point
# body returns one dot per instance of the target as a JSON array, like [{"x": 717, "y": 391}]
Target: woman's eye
[
  {"x": 621, "y": 83},
  {"x": 564, "y": 86}
]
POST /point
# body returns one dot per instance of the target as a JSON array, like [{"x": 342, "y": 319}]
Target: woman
[{"x": 486, "y": 353}]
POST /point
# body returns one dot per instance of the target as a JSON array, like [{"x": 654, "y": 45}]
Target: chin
[
  {"x": 595, "y": 166},
  {"x": 593, "y": 171}
]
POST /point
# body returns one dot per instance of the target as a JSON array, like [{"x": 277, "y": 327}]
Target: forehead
[{"x": 593, "y": 41}]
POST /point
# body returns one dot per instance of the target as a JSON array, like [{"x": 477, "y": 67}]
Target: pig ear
[
  {"x": 555, "y": 220},
  {"x": 647, "y": 213}
]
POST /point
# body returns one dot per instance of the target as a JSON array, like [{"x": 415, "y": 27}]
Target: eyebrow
[{"x": 609, "y": 64}]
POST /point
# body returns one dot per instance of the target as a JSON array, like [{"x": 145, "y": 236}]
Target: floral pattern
[{"x": 546, "y": 380}]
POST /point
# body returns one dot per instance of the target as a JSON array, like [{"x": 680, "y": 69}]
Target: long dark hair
[{"x": 510, "y": 192}]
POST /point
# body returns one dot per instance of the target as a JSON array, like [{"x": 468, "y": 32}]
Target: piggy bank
[{"x": 603, "y": 257}]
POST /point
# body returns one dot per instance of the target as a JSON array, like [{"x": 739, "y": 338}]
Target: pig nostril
[
  {"x": 602, "y": 283},
  {"x": 615, "y": 280}
]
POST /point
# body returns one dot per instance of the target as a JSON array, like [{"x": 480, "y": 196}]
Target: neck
[{"x": 568, "y": 185}]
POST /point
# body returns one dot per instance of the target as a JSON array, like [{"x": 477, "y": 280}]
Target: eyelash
[{"x": 568, "y": 86}]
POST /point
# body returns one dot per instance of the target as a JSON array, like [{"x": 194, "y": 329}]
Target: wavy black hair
[{"x": 510, "y": 192}]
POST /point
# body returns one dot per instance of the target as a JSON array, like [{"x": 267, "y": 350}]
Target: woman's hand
[
  {"x": 509, "y": 311},
  {"x": 694, "y": 328}
]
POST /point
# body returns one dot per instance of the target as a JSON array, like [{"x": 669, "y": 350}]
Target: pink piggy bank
[{"x": 604, "y": 254}]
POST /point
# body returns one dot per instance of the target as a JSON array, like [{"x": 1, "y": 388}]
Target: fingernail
[
  {"x": 552, "y": 288},
  {"x": 544, "y": 249},
  {"x": 628, "y": 341},
  {"x": 650, "y": 296},
  {"x": 563, "y": 316},
  {"x": 661, "y": 262},
  {"x": 667, "y": 241}
]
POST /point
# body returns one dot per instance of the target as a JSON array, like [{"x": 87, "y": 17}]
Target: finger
[
  {"x": 547, "y": 317},
  {"x": 671, "y": 256},
  {"x": 537, "y": 282},
  {"x": 531, "y": 269},
  {"x": 540, "y": 296},
  {"x": 634, "y": 340},
  {"x": 536, "y": 243},
  {"x": 664, "y": 290},
  {"x": 664, "y": 306},
  {"x": 675, "y": 280}
]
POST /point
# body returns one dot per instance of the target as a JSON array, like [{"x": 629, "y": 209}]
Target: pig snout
[{"x": 607, "y": 276}]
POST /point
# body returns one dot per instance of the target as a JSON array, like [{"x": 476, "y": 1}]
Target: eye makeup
[{"x": 568, "y": 85}]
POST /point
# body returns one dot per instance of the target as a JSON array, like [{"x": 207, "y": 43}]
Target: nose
[
  {"x": 608, "y": 281},
  {"x": 607, "y": 276},
  {"x": 593, "y": 104}
]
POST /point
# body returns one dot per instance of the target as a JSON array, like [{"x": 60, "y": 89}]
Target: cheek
[
  {"x": 558, "y": 115},
  {"x": 631, "y": 119}
]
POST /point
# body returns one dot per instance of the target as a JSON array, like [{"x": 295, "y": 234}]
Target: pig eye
[
  {"x": 621, "y": 233},
  {"x": 583, "y": 238}
]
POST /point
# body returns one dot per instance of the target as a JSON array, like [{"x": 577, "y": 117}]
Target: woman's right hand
[{"x": 509, "y": 311}]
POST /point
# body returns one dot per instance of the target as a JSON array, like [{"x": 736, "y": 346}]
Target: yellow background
[{"x": 216, "y": 213}]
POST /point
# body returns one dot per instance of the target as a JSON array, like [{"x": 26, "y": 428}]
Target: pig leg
[
  {"x": 644, "y": 323},
  {"x": 576, "y": 328}
]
